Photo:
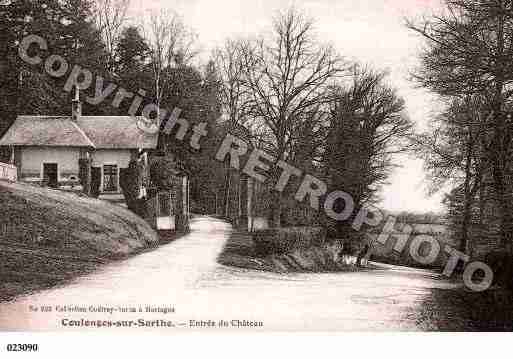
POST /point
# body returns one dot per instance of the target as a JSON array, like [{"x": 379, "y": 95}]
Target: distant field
[
  {"x": 434, "y": 229},
  {"x": 440, "y": 232}
]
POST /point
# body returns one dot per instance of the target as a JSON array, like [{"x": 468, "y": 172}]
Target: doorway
[{"x": 50, "y": 174}]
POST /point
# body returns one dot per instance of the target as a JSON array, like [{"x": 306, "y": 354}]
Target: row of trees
[
  {"x": 285, "y": 92},
  {"x": 302, "y": 102},
  {"x": 153, "y": 54},
  {"x": 467, "y": 61},
  {"x": 66, "y": 27}
]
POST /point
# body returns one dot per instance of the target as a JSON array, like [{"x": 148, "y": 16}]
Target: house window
[
  {"x": 110, "y": 178},
  {"x": 50, "y": 174}
]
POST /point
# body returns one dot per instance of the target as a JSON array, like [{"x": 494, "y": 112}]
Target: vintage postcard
[{"x": 255, "y": 166}]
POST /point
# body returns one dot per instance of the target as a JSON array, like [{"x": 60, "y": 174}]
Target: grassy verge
[
  {"x": 449, "y": 310},
  {"x": 49, "y": 237},
  {"x": 240, "y": 251}
]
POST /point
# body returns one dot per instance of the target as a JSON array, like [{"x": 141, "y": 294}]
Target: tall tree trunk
[
  {"x": 276, "y": 204},
  {"x": 507, "y": 226},
  {"x": 464, "y": 245},
  {"x": 239, "y": 201},
  {"x": 251, "y": 207},
  {"x": 499, "y": 151},
  {"x": 227, "y": 194},
  {"x": 276, "y": 207}
]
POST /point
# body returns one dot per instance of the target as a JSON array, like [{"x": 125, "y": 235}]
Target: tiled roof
[
  {"x": 116, "y": 132},
  {"x": 45, "y": 131},
  {"x": 100, "y": 132}
]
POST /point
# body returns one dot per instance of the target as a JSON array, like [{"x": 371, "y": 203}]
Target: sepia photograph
[{"x": 191, "y": 166}]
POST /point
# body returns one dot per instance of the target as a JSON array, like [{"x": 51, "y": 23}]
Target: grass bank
[
  {"x": 449, "y": 310},
  {"x": 48, "y": 237},
  {"x": 240, "y": 251}
]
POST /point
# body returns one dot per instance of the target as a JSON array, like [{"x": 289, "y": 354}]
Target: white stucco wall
[
  {"x": 106, "y": 157},
  {"x": 32, "y": 159},
  {"x": 67, "y": 159}
]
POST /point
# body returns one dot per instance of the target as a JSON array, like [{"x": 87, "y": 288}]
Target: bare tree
[
  {"x": 229, "y": 63},
  {"x": 234, "y": 98},
  {"x": 288, "y": 75},
  {"x": 171, "y": 45},
  {"x": 110, "y": 16}
]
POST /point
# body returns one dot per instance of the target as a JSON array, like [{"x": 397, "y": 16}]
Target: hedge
[{"x": 287, "y": 239}]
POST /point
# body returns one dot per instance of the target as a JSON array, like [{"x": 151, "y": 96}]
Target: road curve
[{"x": 184, "y": 275}]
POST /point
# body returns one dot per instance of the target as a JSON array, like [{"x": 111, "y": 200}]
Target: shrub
[
  {"x": 287, "y": 239},
  {"x": 96, "y": 178},
  {"x": 84, "y": 174},
  {"x": 129, "y": 181},
  {"x": 164, "y": 172},
  {"x": 501, "y": 263}
]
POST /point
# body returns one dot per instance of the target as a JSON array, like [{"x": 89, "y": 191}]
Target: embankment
[
  {"x": 293, "y": 250},
  {"x": 48, "y": 237}
]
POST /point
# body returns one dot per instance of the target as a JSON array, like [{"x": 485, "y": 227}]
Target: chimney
[{"x": 76, "y": 106}]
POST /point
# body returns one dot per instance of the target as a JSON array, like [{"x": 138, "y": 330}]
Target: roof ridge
[
  {"x": 111, "y": 116},
  {"x": 43, "y": 116},
  {"x": 97, "y": 132}
]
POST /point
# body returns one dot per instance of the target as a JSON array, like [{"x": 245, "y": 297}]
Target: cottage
[
  {"x": 91, "y": 154},
  {"x": 50, "y": 149}
]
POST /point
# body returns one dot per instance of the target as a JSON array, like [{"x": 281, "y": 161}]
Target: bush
[
  {"x": 129, "y": 181},
  {"x": 96, "y": 178},
  {"x": 84, "y": 174},
  {"x": 164, "y": 172},
  {"x": 501, "y": 263},
  {"x": 287, "y": 239}
]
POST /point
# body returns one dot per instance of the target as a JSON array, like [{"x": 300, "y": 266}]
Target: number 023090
[{"x": 22, "y": 347}]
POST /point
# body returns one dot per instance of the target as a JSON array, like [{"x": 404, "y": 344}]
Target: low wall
[{"x": 8, "y": 172}]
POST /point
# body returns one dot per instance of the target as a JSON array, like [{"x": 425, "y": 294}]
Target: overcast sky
[{"x": 371, "y": 31}]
